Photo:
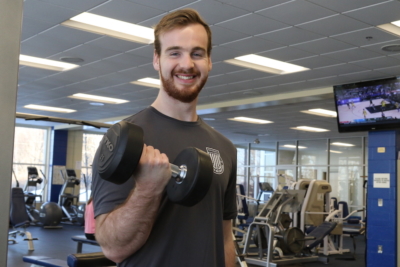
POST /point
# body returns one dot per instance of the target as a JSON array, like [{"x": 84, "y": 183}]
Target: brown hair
[{"x": 179, "y": 19}]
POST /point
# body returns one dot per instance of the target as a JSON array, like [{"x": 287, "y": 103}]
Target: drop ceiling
[{"x": 339, "y": 42}]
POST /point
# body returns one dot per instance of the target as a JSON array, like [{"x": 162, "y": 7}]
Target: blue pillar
[
  {"x": 59, "y": 158},
  {"x": 383, "y": 147}
]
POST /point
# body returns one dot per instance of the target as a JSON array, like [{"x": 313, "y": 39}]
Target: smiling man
[{"x": 136, "y": 224}]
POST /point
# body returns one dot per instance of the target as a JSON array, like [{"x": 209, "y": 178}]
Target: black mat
[{"x": 380, "y": 109}]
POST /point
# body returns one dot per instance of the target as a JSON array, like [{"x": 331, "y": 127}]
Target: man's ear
[{"x": 156, "y": 61}]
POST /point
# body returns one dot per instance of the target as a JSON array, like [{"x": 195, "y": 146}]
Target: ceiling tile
[
  {"x": 87, "y": 52},
  {"x": 333, "y": 25},
  {"x": 31, "y": 27},
  {"x": 252, "y": 45},
  {"x": 253, "y": 24},
  {"x": 114, "y": 44},
  {"x": 345, "y": 5},
  {"x": 253, "y": 5},
  {"x": 353, "y": 54},
  {"x": 390, "y": 9},
  {"x": 222, "y": 52},
  {"x": 323, "y": 46},
  {"x": 126, "y": 11},
  {"x": 222, "y": 35},
  {"x": 286, "y": 54},
  {"x": 378, "y": 63},
  {"x": 290, "y": 36},
  {"x": 76, "y": 4},
  {"x": 359, "y": 38},
  {"x": 214, "y": 12},
  {"x": 143, "y": 51},
  {"x": 46, "y": 12},
  {"x": 164, "y": 5},
  {"x": 316, "y": 62},
  {"x": 296, "y": 12}
]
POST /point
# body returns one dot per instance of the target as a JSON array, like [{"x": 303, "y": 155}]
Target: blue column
[
  {"x": 60, "y": 143},
  {"x": 383, "y": 147}
]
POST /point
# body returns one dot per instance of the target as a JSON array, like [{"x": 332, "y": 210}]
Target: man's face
[{"x": 183, "y": 64}]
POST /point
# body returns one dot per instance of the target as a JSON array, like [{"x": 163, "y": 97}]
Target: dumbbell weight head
[
  {"x": 119, "y": 154},
  {"x": 120, "y": 151},
  {"x": 191, "y": 189}
]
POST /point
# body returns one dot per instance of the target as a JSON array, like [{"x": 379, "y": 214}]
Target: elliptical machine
[
  {"x": 68, "y": 200},
  {"x": 30, "y": 190}
]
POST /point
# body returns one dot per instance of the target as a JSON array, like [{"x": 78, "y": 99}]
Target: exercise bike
[{"x": 68, "y": 200}]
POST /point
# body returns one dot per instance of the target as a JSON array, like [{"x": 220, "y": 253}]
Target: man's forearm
[
  {"x": 230, "y": 257},
  {"x": 126, "y": 229}
]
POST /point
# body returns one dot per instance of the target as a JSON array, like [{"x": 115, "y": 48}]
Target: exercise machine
[
  {"x": 69, "y": 199},
  {"x": 19, "y": 218},
  {"x": 30, "y": 192},
  {"x": 271, "y": 232}
]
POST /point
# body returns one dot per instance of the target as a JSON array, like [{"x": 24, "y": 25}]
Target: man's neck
[{"x": 175, "y": 108}]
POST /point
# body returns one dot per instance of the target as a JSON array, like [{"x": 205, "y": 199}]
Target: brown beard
[{"x": 185, "y": 96}]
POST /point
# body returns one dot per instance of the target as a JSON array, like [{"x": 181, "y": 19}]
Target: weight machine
[{"x": 284, "y": 245}]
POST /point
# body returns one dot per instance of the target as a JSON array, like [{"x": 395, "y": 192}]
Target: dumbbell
[{"x": 119, "y": 153}]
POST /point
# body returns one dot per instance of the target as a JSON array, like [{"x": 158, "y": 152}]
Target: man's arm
[
  {"x": 126, "y": 229},
  {"x": 230, "y": 257}
]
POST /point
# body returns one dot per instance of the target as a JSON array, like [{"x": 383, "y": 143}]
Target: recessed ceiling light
[
  {"x": 334, "y": 151},
  {"x": 309, "y": 129},
  {"x": 149, "y": 82},
  {"x": 46, "y": 108},
  {"x": 112, "y": 27},
  {"x": 47, "y": 64},
  {"x": 391, "y": 48},
  {"x": 97, "y": 98},
  {"x": 96, "y": 104},
  {"x": 341, "y": 144},
  {"x": 208, "y": 119},
  {"x": 321, "y": 112},
  {"x": 265, "y": 64},
  {"x": 293, "y": 146},
  {"x": 250, "y": 120}
]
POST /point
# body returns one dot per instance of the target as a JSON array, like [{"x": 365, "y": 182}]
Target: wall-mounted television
[{"x": 368, "y": 106}]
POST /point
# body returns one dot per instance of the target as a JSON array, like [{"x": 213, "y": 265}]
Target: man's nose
[{"x": 186, "y": 62}]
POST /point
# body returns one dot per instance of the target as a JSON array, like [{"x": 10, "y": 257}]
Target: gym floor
[{"x": 57, "y": 243}]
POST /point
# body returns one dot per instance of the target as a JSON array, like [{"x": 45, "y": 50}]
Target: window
[
  {"x": 89, "y": 147},
  {"x": 30, "y": 149}
]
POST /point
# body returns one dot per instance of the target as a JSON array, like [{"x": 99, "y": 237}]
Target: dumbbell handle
[{"x": 179, "y": 173}]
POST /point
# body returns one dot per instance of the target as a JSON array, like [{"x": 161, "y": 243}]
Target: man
[{"x": 136, "y": 225}]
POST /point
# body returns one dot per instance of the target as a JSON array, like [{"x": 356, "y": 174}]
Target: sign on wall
[{"x": 381, "y": 180}]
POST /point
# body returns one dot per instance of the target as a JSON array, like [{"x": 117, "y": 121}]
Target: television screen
[{"x": 367, "y": 106}]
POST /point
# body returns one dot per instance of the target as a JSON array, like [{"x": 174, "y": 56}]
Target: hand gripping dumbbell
[{"x": 119, "y": 153}]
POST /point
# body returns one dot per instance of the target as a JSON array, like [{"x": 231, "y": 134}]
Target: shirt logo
[{"x": 216, "y": 159}]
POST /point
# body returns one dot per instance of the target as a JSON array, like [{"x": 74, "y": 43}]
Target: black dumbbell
[{"x": 119, "y": 153}]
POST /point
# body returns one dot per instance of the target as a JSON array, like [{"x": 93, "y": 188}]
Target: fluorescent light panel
[
  {"x": 265, "y": 64},
  {"x": 112, "y": 27},
  {"x": 97, "y": 98},
  {"x": 47, "y": 64},
  {"x": 250, "y": 120},
  {"x": 321, "y": 112},
  {"x": 149, "y": 82},
  {"x": 341, "y": 144},
  {"x": 293, "y": 146},
  {"x": 46, "y": 108},
  {"x": 393, "y": 27},
  {"x": 334, "y": 151},
  {"x": 309, "y": 129}
]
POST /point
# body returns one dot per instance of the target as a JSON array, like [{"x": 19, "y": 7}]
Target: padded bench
[
  {"x": 73, "y": 260},
  {"x": 81, "y": 239}
]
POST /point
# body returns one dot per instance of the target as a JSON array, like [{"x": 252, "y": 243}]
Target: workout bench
[
  {"x": 73, "y": 260},
  {"x": 81, "y": 239}
]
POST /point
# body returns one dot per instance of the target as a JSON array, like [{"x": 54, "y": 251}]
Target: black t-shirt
[{"x": 181, "y": 236}]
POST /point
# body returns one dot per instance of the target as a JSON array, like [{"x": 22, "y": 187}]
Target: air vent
[
  {"x": 72, "y": 59},
  {"x": 391, "y": 48}
]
